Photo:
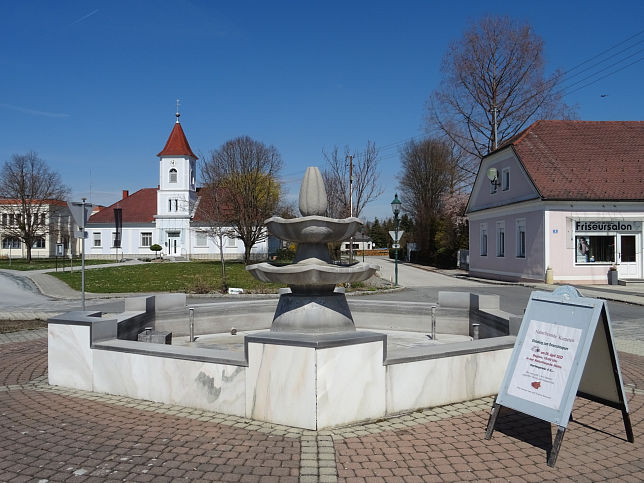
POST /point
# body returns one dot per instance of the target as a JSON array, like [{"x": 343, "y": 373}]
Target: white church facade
[{"x": 167, "y": 215}]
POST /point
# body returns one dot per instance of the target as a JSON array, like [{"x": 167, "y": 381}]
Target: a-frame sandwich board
[{"x": 565, "y": 348}]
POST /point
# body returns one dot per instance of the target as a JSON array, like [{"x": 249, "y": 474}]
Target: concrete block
[
  {"x": 140, "y": 304},
  {"x": 169, "y": 301},
  {"x": 457, "y": 300}
]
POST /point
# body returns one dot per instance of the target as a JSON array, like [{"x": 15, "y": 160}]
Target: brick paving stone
[{"x": 51, "y": 433}]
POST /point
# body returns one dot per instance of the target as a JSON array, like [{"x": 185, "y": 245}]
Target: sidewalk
[{"x": 49, "y": 433}]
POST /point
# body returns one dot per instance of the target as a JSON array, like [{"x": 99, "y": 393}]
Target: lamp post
[{"x": 396, "y": 206}]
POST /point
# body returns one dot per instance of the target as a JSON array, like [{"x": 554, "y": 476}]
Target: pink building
[{"x": 568, "y": 195}]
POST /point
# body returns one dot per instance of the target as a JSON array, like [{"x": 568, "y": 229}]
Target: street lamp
[{"x": 396, "y": 206}]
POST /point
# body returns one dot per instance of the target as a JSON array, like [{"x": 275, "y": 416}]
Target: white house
[
  {"x": 57, "y": 229},
  {"x": 568, "y": 195},
  {"x": 164, "y": 215}
]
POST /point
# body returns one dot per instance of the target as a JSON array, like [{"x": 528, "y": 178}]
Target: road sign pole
[
  {"x": 83, "y": 258},
  {"x": 396, "y": 249}
]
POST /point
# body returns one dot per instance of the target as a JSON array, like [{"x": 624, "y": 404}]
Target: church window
[
  {"x": 176, "y": 205},
  {"x": 169, "y": 205},
  {"x": 173, "y": 175}
]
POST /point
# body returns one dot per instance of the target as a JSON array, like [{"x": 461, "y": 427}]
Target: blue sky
[{"x": 91, "y": 85}]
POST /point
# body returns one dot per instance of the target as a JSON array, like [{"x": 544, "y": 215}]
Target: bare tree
[
  {"x": 245, "y": 173},
  {"x": 214, "y": 218},
  {"x": 34, "y": 191},
  {"x": 493, "y": 75},
  {"x": 366, "y": 187},
  {"x": 424, "y": 182}
]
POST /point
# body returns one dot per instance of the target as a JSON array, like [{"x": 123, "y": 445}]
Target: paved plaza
[{"x": 56, "y": 434}]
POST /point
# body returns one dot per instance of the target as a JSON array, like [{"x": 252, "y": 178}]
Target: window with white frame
[
  {"x": 146, "y": 238},
  {"x": 500, "y": 238},
  {"x": 520, "y": 238},
  {"x": 97, "y": 239},
  {"x": 483, "y": 239},
  {"x": 505, "y": 179},
  {"x": 39, "y": 243},
  {"x": 11, "y": 242},
  {"x": 232, "y": 242},
  {"x": 173, "y": 175},
  {"x": 201, "y": 239}
]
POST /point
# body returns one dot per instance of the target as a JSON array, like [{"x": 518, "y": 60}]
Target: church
[{"x": 167, "y": 215}]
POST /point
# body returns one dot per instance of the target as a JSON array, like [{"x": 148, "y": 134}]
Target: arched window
[{"x": 173, "y": 175}]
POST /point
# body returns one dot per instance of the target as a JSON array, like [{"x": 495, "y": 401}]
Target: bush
[{"x": 156, "y": 248}]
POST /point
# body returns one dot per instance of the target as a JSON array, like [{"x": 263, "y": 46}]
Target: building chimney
[{"x": 126, "y": 193}]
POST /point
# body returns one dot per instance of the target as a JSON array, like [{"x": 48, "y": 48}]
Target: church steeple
[{"x": 177, "y": 144}]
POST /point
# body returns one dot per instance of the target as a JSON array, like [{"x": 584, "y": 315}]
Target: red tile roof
[
  {"x": 177, "y": 144},
  {"x": 584, "y": 160},
  {"x": 139, "y": 207},
  {"x": 210, "y": 207}
]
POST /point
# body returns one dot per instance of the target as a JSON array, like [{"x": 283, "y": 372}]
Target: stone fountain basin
[
  {"x": 312, "y": 274},
  {"x": 313, "y": 229}
]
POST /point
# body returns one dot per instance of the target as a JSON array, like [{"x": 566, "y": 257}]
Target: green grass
[
  {"x": 189, "y": 277},
  {"x": 44, "y": 263}
]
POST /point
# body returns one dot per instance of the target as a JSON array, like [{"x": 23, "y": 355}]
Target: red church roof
[
  {"x": 177, "y": 144},
  {"x": 583, "y": 160},
  {"x": 139, "y": 207}
]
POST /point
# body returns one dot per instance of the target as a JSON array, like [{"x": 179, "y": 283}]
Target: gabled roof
[
  {"x": 139, "y": 207},
  {"x": 177, "y": 144},
  {"x": 583, "y": 160},
  {"x": 211, "y": 207}
]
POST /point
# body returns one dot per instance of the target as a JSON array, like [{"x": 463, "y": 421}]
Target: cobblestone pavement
[{"x": 55, "y": 434}]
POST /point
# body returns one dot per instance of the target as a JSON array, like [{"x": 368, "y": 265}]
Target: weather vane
[{"x": 178, "y": 102}]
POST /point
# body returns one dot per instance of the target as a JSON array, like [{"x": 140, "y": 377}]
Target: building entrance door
[
  {"x": 629, "y": 264},
  {"x": 174, "y": 243}
]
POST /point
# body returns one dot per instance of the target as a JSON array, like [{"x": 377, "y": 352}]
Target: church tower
[{"x": 177, "y": 192}]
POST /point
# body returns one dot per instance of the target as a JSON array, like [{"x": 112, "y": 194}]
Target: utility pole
[{"x": 494, "y": 136}]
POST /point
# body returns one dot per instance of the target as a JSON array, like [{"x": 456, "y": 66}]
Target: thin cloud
[
  {"x": 34, "y": 112},
  {"x": 84, "y": 17}
]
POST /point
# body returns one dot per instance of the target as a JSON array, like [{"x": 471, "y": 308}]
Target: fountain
[
  {"x": 312, "y": 306},
  {"x": 313, "y": 369}
]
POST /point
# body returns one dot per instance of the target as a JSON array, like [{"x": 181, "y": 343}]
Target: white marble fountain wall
[{"x": 285, "y": 384}]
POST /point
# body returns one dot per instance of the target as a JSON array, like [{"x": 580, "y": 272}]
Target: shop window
[
  {"x": 520, "y": 237},
  {"x": 593, "y": 249},
  {"x": 483, "y": 239},
  {"x": 97, "y": 239},
  {"x": 10, "y": 242},
  {"x": 146, "y": 238},
  {"x": 500, "y": 239},
  {"x": 173, "y": 175},
  {"x": 505, "y": 179}
]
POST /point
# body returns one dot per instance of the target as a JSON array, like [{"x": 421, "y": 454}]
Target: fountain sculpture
[{"x": 313, "y": 304}]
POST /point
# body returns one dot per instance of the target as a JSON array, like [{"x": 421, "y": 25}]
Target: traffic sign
[
  {"x": 392, "y": 234},
  {"x": 80, "y": 212}
]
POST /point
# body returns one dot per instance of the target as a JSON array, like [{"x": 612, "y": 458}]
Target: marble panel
[
  {"x": 69, "y": 356},
  {"x": 445, "y": 380},
  {"x": 203, "y": 385},
  {"x": 350, "y": 384},
  {"x": 280, "y": 385}
]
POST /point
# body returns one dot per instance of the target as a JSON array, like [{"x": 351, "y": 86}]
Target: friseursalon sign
[{"x": 608, "y": 225}]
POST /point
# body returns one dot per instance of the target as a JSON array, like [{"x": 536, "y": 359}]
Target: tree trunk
[
  {"x": 246, "y": 254},
  {"x": 28, "y": 253},
  {"x": 224, "y": 285}
]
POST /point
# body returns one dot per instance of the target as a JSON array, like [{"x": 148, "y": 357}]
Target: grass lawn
[
  {"x": 42, "y": 263},
  {"x": 189, "y": 277},
  {"x": 16, "y": 325}
]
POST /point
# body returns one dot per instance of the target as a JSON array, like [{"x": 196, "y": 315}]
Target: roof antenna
[{"x": 178, "y": 102}]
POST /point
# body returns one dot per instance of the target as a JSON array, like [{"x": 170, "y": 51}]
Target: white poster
[{"x": 544, "y": 363}]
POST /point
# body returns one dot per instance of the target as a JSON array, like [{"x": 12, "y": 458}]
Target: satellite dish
[{"x": 492, "y": 174}]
